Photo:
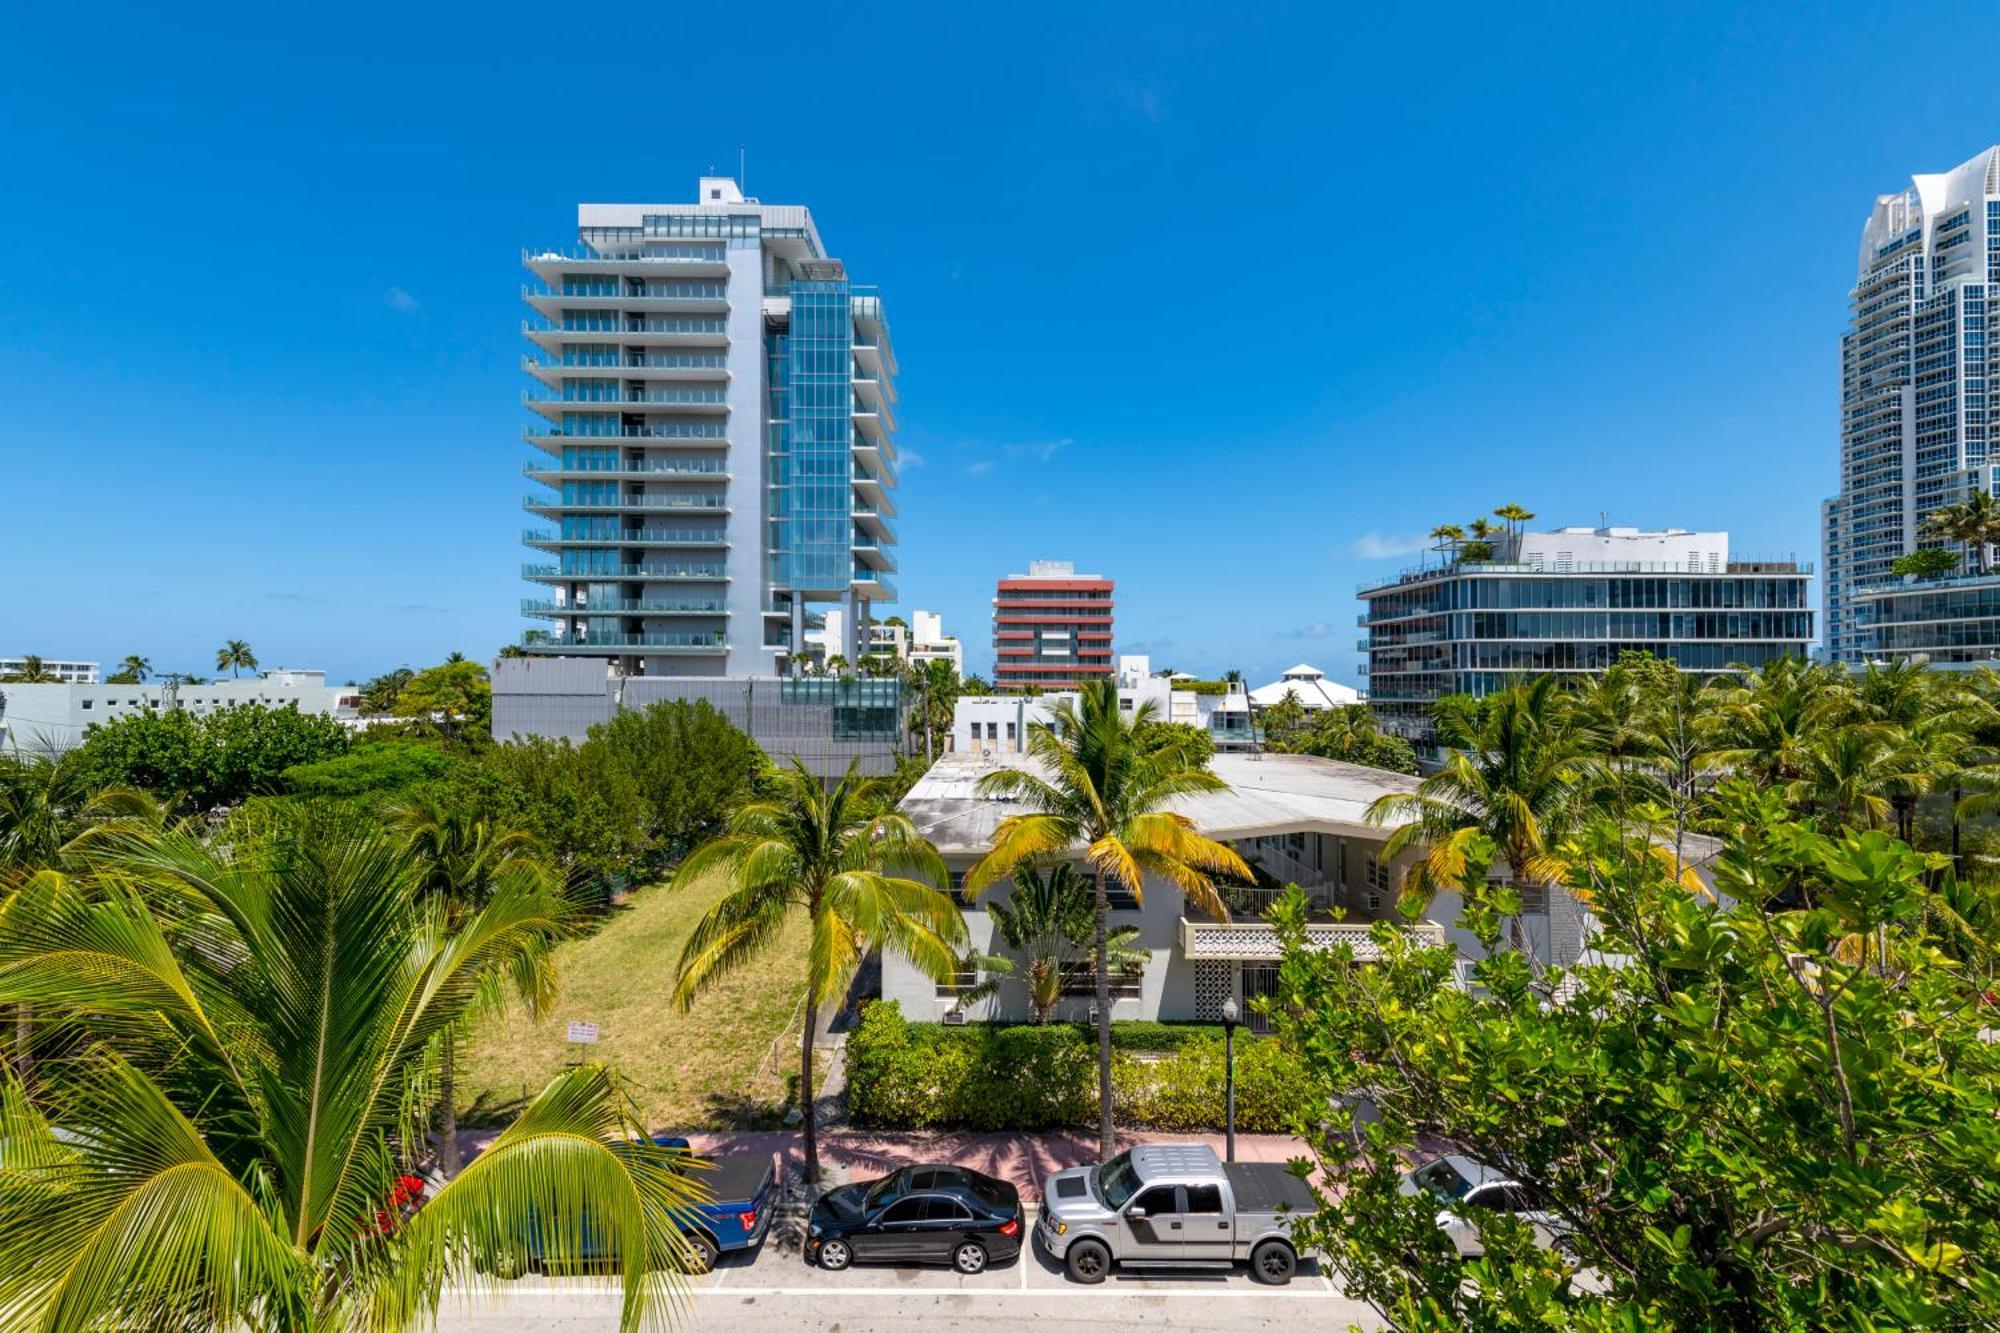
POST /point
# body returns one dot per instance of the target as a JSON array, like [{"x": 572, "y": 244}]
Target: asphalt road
[{"x": 774, "y": 1290}]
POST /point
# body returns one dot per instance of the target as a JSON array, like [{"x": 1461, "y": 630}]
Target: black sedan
[{"x": 922, "y": 1214}]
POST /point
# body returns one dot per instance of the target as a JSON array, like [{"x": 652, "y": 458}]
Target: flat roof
[{"x": 1268, "y": 794}]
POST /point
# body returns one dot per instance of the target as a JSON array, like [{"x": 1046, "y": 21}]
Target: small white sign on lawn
[{"x": 582, "y": 1034}]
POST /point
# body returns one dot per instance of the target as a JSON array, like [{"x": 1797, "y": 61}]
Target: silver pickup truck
[{"x": 1173, "y": 1206}]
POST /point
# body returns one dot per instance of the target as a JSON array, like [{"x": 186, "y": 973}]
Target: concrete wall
[{"x": 53, "y": 718}]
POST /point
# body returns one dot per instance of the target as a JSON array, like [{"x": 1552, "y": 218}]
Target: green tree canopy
[
  {"x": 203, "y": 761},
  {"x": 688, "y": 764}
]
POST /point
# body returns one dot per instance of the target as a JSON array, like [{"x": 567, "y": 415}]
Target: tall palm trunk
[
  {"x": 807, "y": 1121},
  {"x": 1107, "y": 1135},
  {"x": 24, "y": 1032},
  {"x": 448, "y": 1160}
]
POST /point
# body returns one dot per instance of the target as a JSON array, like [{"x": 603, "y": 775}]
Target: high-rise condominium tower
[
  {"x": 1913, "y": 415},
  {"x": 715, "y": 408}
]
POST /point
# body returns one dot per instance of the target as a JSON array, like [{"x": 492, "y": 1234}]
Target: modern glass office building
[
  {"x": 713, "y": 420},
  {"x": 1570, "y": 602},
  {"x": 1914, "y": 423}
]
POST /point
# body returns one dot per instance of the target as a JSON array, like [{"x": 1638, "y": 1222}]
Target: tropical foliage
[
  {"x": 1774, "y": 1108},
  {"x": 198, "y": 761},
  {"x": 250, "y": 1037},
  {"x": 1048, "y": 922},
  {"x": 858, "y": 870},
  {"x": 1100, "y": 792}
]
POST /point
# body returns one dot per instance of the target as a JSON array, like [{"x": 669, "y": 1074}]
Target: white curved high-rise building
[{"x": 1914, "y": 432}]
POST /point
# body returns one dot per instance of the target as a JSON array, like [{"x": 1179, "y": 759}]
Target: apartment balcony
[
  {"x": 551, "y": 265},
  {"x": 543, "y": 539},
  {"x": 683, "y": 469},
  {"x": 1257, "y": 941},
  {"x": 704, "y": 641},
  {"x": 873, "y": 585},
  {"x": 652, "y": 571},
  {"x": 870, "y": 557},
  {"x": 662, "y": 367},
  {"x": 872, "y": 389},
  {"x": 554, "y": 441},
  {"x": 693, "y": 606},
  {"x": 692, "y": 400},
  {"x": 551, "y": 505},
  {"x": 552, "y": 337},
  {"x": 551, "y": 304}
]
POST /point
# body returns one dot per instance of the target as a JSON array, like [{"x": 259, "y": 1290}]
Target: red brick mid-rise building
[{"x": 1051, "y": 628}]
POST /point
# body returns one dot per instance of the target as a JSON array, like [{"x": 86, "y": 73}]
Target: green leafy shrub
[
  {"x": 375, "y": 770},
  {"x": 904, "y": 1075}
]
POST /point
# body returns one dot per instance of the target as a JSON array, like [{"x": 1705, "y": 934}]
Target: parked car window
[
  {"x": 1493, "y": 1198},
  {"x": 1443, "y": 1180},
  {"x": 906, "y": 1210},
  {"x": 1118, "y": 1180},
  {"x": 1524, "y": 1199},
  {"x": 922, "y": 1178},
  {"x": 881, "y": 1192},
  {"x": 1204, "y": 1198},
  {"x": 1157, "y": 1200},
  {"x": 940, "y": 1209}
]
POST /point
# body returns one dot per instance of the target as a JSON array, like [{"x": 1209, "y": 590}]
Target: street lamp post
[{"x": 1229, "y": 1016}]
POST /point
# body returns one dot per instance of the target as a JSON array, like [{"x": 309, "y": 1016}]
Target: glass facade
[
  {"x": 1950, "y": 621},
  {"x": 812, "y": 474},
  {"x": 1459, "y": 631}
]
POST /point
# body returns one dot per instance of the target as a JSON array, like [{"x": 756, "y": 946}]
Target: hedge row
[{"x": 903, "y": 1075}]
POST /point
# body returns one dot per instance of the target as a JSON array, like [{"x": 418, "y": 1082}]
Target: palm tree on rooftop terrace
[
  {"x": 137, "y": 667},
  {"x": 1514, "y": 516},
  {"x": 1974, "y": 521},
  {"x": 235, "y": 654}
]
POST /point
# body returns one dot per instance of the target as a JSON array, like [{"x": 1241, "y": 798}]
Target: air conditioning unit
[{"x": 954, "y": 1017}]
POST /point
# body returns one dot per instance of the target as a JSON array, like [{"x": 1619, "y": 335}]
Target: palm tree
[
  {"x": 1338, "y": 732},
  {"x": 136, "y": 667},
  {"x": 863, "y": 875},
  {"x": 1447, "y": 536},
  {"x": 234, "y": 654},
  {"x": 1048, "y": 921},
  {"x": 934, "y": 689},
  {"x": 49, "y": 811},
  {"x": 1850, "y": 772},
  {"x": 462, "y": 855},
  {"x": 1765, "y": 718},
  {"x": 33, "y": 671},
  {"x": 836, "y": 665},
  {"x": 1099, "y": 789},
  {"x": 1514, "y": 517},
  {"x": 1520, "y": 771},
  {"x": 254, "y": 1026},
  {"x": 1975, "y": 521}
]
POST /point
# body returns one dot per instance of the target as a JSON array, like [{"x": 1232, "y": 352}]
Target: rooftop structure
[
  {"x": 68, "y": 672},
  {"x": 1309, "y": 685}
]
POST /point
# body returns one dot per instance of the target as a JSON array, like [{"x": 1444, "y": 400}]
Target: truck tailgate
[
  {"x": 1267, "y": 1187},
  {"x": 739, "y": 1178}
]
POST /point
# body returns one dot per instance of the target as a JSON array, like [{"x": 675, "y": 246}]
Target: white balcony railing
[{"x": 1259, "y": 939}]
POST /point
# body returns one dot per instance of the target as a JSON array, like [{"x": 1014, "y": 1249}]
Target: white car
[{"x": 1465, "y": 1190}]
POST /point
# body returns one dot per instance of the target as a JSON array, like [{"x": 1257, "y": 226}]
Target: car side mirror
[{"x": 1136, "y": 1215}]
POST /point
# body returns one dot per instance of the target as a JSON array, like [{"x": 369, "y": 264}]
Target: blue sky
[{"x": 1225, "y": 306}]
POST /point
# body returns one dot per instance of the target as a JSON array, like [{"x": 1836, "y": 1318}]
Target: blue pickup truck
[{"x": 744, "y": 1188}]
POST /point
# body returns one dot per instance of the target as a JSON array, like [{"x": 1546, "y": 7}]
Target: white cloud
[
  {"x": 1040, "y": 451},
  {"x": 1142, "y": 101},
  {"x": 1319, "y": 629},
  {"x": 909, "y": 458},
  {"x": 980, "y": 468},
  {"x": 401, "y": 301},
  {"x": 1374, "y": 546}
]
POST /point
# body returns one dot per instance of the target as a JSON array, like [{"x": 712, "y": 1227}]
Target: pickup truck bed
[{"x": 1267, "y": 1187}]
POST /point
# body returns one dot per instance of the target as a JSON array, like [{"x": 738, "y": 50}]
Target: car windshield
[
  {"x": 1117, "y": 1181},
  {"x": 881, "y": 1192},
  {"x": 1442, "y": 1179}
]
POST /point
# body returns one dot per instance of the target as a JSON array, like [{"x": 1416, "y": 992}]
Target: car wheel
[
  {"x": 1273, "y": 1263},
  {"x": 970, "y": 1257},
  {"x": 1089, "y": 1262},
  {"x": 702, "y": 1254},
  {"x": 834, "y": 1255}
]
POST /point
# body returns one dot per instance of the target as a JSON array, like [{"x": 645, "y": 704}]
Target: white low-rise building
[
  {"x": 66, "y": 671},
  {"x": 998, "y": 723},
  {"x": 1310, "y": 686},
  {"x": 922, "y": 640},
  {"x": 54, "y": 718},
  {"x": 1295, "y": 818}
]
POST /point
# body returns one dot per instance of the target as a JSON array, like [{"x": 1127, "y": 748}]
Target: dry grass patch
[{"x": 712, "y": 1066}]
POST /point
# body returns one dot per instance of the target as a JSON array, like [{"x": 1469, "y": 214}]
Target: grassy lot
[{"x": 710, "y": 1067}]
